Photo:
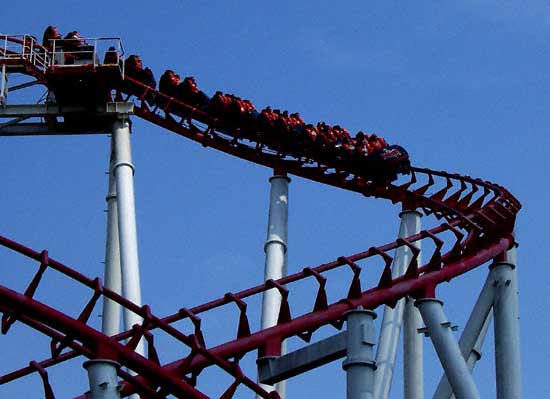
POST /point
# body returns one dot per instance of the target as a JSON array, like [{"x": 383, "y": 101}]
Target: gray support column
[
  {"x": 359, "y": 364},
  {"x": 447, "y": 348},
  {"x": 111, "y": 310},
  {"x": 413, "y": 353},
  {"x": 3, "y": 87},
  {"x": 413, "y": 344},
  {"x": 127, "y": 231},
  {"x": 444, "y": 390},
  {"x": 393, "y": 318},
  {"x": 473, "y": 335},
  {"x": 475, "y": 354},
  {"x": 275, "y": 258},
  {"x": 506, "y": 328},
  {"x": 102, "y": 375}
]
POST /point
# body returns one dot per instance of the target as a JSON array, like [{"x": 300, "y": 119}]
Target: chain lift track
[{"x": 478, "y": 215}]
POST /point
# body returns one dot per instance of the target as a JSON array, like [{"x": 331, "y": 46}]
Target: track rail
[{"x": 478, "y": 215}]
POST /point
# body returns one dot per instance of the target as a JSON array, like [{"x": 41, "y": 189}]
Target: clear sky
[{"x": 463, "y": 86}]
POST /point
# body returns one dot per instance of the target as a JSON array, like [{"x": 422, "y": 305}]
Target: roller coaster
[{"x": 476, "y": 217}]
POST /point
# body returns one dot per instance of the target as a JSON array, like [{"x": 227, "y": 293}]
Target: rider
[
  {"x": 51, "y": 34},
  {"x": 112, "y": 56},
  {"x": 168, "y": 83},
  {"x": 359, "y": 144},
  {"x": 377, "y": 143},
  {"x": 73, "y": 45},
  {"x": 133, "y": 68},
  {"x": 189, "y": 93}
]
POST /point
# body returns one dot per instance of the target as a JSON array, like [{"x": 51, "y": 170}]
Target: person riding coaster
[
  {"x": 133, "y": 68},
  {"x": 51, "y": 36},
  {"x": 189, "y": 93},
  {"x": 168, "y": 85},
  {"x": 112, "y": 57},
  {"x": 76, "y": 49},
  {"x": 286, "y": 134},
  {"x": 282, "y": 132}
]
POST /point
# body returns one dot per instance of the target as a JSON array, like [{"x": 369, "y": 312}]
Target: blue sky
[{"x": 463, "y": 86}]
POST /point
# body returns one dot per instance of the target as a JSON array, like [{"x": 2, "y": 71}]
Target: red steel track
[{"x": 478, "y": 215}]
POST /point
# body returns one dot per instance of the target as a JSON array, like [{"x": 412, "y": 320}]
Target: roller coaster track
[{"x": 478, "y": 215}]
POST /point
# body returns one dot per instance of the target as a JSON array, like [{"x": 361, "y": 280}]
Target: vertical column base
[
  {"x": 102, "y": 374},
  {"x": 360, "y": 364}
]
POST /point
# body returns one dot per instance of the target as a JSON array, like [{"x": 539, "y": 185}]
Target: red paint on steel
[
  {"x": 479, "y": 215},
  {"x": 103, "y": 347}
]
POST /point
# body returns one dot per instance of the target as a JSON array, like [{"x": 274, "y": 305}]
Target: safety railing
[
  {"x": 106, "y": 51},
  {"x": 24, "y": 47}
]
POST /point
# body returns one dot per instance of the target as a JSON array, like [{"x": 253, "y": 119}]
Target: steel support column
[
  {"x": 444, "y": 390},
  {"x": 447, "y": 348},
  {"x": 3, "y": 87},
  {"x": 127, "y": 231},
  {"x": 475, "y": 354},
  {"x": 393, "y": 318},
  {"x": 506, "y": 327},
  {"x": 111, "y": 310},
  {"x": 413, "y": 343},
  {"x": 359, "y": 364},
  {"x": 413, "y": 353},
  {"x": 275, "y": 257},
  {"x": 102, "y": 375},
  {"x": 473, "y": 334}
]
